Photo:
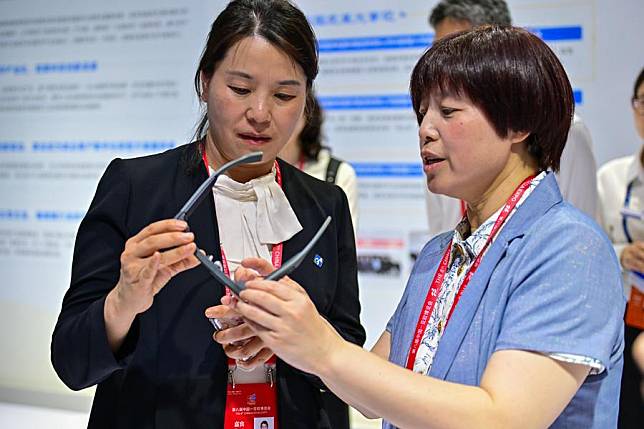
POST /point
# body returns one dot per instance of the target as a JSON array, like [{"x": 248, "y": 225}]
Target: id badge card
[
  {"x": 251, "y": 398},
  {"x": 635, "y": 309}
]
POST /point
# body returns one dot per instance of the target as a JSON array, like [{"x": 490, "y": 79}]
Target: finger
[
  {"x": 262, "y": 266},
  {"x": 180, "y": 256},
  {"x": 638, "y": 254},
  {"x": 259, "y": 359},
  {"x": 251, "y": 348},
  {"x": 184, "y": 264},
  {"x": 285, "y": 291},
  {"x": 150, "y": 269},
  {"x": 258, "y": 316},
  {"x": 220, "y": 312},
  {"x": 293, "y": 285},
  {"x": 232, "y": 351},
  {"x": 235, "y": 334},
  {"x": 631, "y": 264},
  {"x": 166, "y": 225},
  {"x": 626, "y": 263},
  {"x": 245, "y": 274},
  {"x": 164, "y": 274},
  {"x": 633, "y": 254},
  {"x": 244, "y": 351},
  {"x": 166, "y": 240},
  {"x": 630, "y": 259},
  {"x": 268, "y": 302},
  {"x": 258, "y": 329},
  {"x": 637, "y": 265},
  {"x": 237, "y": 352}
]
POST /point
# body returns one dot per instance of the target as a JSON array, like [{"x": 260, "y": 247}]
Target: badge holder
[
  {"x": 635, "y": 309},
  {"x": 251, "y": 397}
]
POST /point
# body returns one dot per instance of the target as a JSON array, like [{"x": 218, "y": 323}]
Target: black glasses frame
[{"x": 213, "y": 268}]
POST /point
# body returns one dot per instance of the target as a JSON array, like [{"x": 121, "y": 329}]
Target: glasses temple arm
[
  {"x": 218, "y": 274},
  {"x": 201, "y": 192},
  {"x": 296, "y": 260}
]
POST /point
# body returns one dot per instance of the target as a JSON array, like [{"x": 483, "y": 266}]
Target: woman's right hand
[
  {"x": 146, "y": 267},
  {"x": 632, "y": 257}
]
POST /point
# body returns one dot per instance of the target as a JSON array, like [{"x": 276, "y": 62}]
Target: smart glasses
[{"x": 213, "y": 268}]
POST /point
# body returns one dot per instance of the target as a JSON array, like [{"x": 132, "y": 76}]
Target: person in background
[
  {"x": 305, "y": 151},
  {"x": 514, "y": 318},
  {"x": 133, "y": 320},
  {"x": 621, "y": 197},
  {"x": 577, "y": 175},
  {"x": 450, "y": 16}
]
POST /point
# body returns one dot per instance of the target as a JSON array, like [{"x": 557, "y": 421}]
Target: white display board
[{"x": 82, "y": 82}]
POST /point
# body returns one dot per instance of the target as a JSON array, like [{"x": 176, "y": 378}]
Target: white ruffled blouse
[{"x": 252, "y": 217}]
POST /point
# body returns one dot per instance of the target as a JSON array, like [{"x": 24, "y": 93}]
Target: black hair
[
  {"x": 512, "y": 76},
  {"x": 476, "y": 12},
  {"x": 638, "y": 82},
  {"x": 280, "y": 22}
]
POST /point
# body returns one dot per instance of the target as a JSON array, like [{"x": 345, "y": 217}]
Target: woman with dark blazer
[{"x": 132, "y": 321}]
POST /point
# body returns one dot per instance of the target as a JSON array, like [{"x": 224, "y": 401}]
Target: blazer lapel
[
  {"x": 544, "y": 196},
  {"x": 300, "y": 198},
  {"x": 310, "y": 214}
]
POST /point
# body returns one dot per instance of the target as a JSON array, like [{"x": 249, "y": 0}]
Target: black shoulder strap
[{"x": 332, "y": 169}]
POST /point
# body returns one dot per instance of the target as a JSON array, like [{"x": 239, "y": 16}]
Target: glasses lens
[{"x": 638, "y": 104}]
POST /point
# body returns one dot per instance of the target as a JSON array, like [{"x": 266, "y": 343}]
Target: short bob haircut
[
  {"x": 278, "y": 21},
  {"x": 511, "y": 76}
]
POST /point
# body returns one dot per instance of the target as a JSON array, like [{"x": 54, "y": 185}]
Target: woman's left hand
[
  {"x": 239, "y": 340},
  {"x": 284, "y": 317}
]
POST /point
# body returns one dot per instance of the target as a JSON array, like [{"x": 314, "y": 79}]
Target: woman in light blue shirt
[{"x": 514, "y": 319}]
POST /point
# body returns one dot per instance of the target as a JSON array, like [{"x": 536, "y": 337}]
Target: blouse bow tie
[{"x": 257, "y": 209}]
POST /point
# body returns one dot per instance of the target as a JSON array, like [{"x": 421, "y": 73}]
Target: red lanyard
[
  {"x": 463, "y": 208},
  {"x": 276, "y": 251},
  {"x": 437, "y": 282},
  {"x": 301, "y": 162}
]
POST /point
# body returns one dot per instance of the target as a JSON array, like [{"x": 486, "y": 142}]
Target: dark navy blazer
[{"x": 169, "y": 372}]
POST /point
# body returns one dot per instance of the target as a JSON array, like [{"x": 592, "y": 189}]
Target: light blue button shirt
[{"x": 550, "y": 283}]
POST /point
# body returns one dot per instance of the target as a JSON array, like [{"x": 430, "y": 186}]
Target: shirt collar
[
  {"x": 635, "y": 170},
  {"x": 473, "y": 243}
]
